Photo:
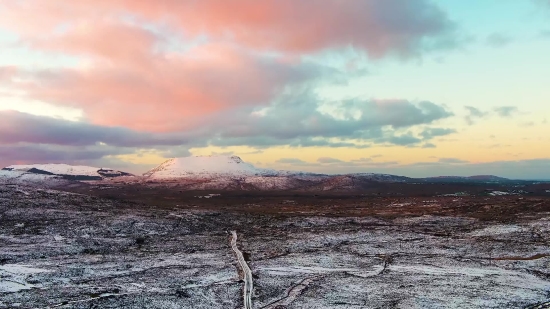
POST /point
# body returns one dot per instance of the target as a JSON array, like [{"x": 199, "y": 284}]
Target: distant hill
[
  {"x": 70, "y": 172},
  {"x": 476, "y": 178},
  {"x": 232, "y": 173}
]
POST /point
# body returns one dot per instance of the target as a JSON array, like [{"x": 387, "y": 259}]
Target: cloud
[
  {"x": 142, "y": 101},
  {"x": 327, "y": 160},
  {"x": 299, "y": 118},
  {"x": 101, "y": 41},
  {"x": 430, "y": 133},
  {"x": 167, "y": 94},
  {"x": 334, "y": 165},
  {"x": 474, "y": 113},
  {"x": 377, "y": 27},
  {"x": 543, "y": 2},
  {"x": 7, "y": 72},
  {"x": 196, "y": 73},
  {"x": 498, "y": 40},
  {"x": 402, "y": 140},
  {"x": 451, "y": 160},
  {"x": 501, "y": 111},
  {"x": 293, "y": 161},
  {"x": 323, "y": 142},
  {"x": 176, "y": 152},
  {"x": 182, "y": 60},
  {"x": 498, "y": 145},
  {"x": 506, "y": 111},
  {"x": 97, "y": 155},
  {"x": 296, "y": 120},
  {"x": 363, "y": 160},
  {"x": 17, "y": 127},
  {"x": 227, "y": 153},
  {"x": 37, "y": 153}
]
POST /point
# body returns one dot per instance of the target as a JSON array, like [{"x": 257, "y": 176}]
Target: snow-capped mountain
[
  {"x": 207, "y": 167},
  {"x": 73, "y": 172},
  {"x": 232, "y": 173},
  {"x": 23, "y": 178}
]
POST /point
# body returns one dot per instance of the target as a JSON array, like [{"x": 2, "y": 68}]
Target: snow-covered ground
[
  {"x": 65, "y": 250},
  {"x": 29, "y": 179},
  {"x": 498, "y": 193},
  {"x": 15, "y": 277}
]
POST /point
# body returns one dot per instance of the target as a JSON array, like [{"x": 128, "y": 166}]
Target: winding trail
[{"x": 247, "y": 273}]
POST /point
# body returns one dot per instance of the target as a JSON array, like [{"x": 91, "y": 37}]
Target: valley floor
[{"x": 68, "y": 250}]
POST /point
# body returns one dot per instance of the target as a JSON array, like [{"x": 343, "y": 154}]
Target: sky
[{"x": 408, "y": 87}]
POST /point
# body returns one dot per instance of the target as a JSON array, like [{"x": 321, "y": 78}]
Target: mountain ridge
[
  {"x": 226, "y": 173},
  {"x": 66, "y": 171}
]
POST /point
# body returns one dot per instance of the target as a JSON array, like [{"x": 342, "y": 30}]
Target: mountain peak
[{"x": 205, "y": 166}]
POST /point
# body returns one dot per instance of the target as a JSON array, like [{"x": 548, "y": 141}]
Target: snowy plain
[{"x": 67, "y": 250}]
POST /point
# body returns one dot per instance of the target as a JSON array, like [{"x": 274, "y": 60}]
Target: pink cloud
[
  {"x": 113, "y": 42},
  {"x": 130, "y": 81},
  {"x": 284, "y": 25},
  {"x": 7, "y": 72},
  {"x": 165, "y": 93}
]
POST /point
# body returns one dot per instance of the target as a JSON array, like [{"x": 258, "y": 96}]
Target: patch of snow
[
  {"x": 448, "y": 271},
  {"x": 509, "y": 277},
  {"x": 497, "y": 230},
  {"x": 58, "y": 238},
  {"x": 207, "y": 196},
  {"x": 498, "y": 193},
  {"x": 13, "y": 277},
  {"x": 23, "y": 191},
  {"x": 293, "y": 270},
  {"x": 456, "y": 194},
  {"x": 12, "y": 286},
  {"x": 29, "y": 179},
  {"x": 400, "y": 204},
  {"x": 304, "y": 269},
  {"x": 21, "y": 269}
]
